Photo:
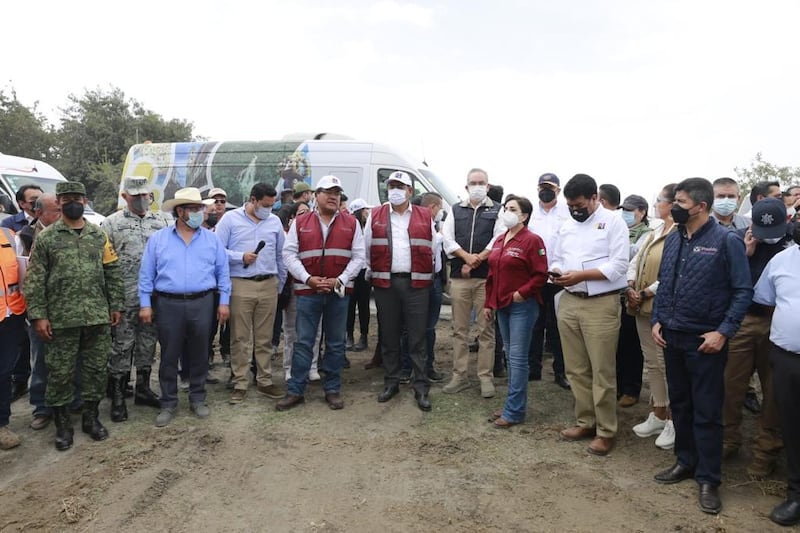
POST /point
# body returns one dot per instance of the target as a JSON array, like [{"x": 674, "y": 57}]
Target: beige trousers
[
  {"x": 654, "y": 362},
  {"x": 253, "y": 305},
  {"x": 467, "y": 295},
  {"x": 589, "y": 331}
]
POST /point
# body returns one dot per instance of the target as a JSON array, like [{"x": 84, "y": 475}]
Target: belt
[
  {"x": 586, "y": 295},
  {"x": 262, "y": 277},
  {"x": 401, "y": 274},
  {"x": 184, "y": 296}
]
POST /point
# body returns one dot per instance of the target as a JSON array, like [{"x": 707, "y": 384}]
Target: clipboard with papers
[{"x": 594, "y": 287}]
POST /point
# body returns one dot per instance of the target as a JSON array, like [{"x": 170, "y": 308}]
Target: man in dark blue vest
[{"x": 704, "y": 294}]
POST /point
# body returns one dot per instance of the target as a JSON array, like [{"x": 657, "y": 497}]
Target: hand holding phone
[{"x": 553, "y": 274}]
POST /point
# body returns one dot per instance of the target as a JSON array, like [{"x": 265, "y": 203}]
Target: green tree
[
  {"x": 98, "y": 128},
  {"x": 760, "y": 170},
  {"x": 24, "y": 131}
]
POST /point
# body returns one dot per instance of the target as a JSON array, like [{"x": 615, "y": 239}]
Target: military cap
[{"x": 70, "y": 187}]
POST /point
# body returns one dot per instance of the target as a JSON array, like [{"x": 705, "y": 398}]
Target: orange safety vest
[
  {"x": 420, "y": 238},
  {"x": 324, "y": 257},
  {"x": 11, "y": 299}
]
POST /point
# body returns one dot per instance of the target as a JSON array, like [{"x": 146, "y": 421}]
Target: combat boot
[
  {"x": 90, "y": 423},
  {"x": 144, "y": 395},
  {"x": 119, "y": 411},
  {"x": 64, "y": 429}
]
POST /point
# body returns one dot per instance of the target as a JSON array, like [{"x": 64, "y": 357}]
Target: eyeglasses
[{"x": 663, "y": 200}]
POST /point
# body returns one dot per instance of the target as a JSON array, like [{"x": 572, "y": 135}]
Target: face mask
[
  {"x": 776, "y": 240},
  {"x": 212, "y": 220},
  {"x": 477, "y": 193},
  {"x": 140, "y": 204},
  {"x": 72, "y": 210},
  {"x": 397, "y": 196},
  {"x": 579, "y": 214},
  {"x": 679, "y": 214},
  {"x": 547, "y": 195},
  {"x": 439, "y": 216},
  {"x": 195, "y": 220},
  {"x": 262, "y": 213},
  {"x": 724, "y": 206},
  {"x": 790, "y": 212},
  {"x": 629, "y": 218},
  {"x": 509, "y": 219}
]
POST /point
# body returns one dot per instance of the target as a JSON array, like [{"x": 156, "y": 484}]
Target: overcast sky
[{"x": 636, "y": 93}]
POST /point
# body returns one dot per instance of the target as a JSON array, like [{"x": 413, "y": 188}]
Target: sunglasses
[{"x": 223, "y": 202}]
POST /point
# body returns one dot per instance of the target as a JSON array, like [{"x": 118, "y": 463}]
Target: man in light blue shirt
[
  {"x": 779, "y": 286},
  {"x": 253, "y": 238},
  {"x": 181, "y": 267}
]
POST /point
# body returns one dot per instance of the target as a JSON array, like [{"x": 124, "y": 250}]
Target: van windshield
[
  {"x": 15, "y": 182},
  {"x": 440, "y": 186}
]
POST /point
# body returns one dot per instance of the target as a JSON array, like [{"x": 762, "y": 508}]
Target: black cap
[
  {"x": 549, "y": 178},
  {"x": 769, "y": 219}
]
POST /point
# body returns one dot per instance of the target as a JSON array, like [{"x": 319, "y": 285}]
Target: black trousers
[
  {"x": 360, "y": 298},
  {"x": 786, "y": 387},
  {"x": 630, "y": 360},
  {"x": 183, "y": 330},
  {"x": 401, "y": 305},
  {"x": 546, "y": 323}
]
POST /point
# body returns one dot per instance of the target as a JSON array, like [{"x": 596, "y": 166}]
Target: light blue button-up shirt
[
  {"x": 779, "y": 285},
  {"x": 170, "y": 265},
  {"x": 239, "y": 234}
]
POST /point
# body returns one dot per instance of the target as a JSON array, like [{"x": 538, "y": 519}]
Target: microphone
[{"x": 261, "y": 245}]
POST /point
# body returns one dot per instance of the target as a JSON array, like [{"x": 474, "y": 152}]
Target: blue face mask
[
  {"x": 629, "y": 218},
  {"x": 195, "y": 220},
  {"x": 725, "y": 206}
]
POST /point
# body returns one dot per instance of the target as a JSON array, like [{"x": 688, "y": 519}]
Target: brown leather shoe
[
  {"x": 289, "y": 401},
  {"x": 40, "y": 422},
  {"x": 627, "y": 401},
  {"x": 497, "y": 413},
  {"x": 600, "y": 445},
  {"x": 502, "y": 423},
  {"x": 271, "y": 391},
  {"x": 577, "y": 433},
  {"x": 334, "y": 400}
]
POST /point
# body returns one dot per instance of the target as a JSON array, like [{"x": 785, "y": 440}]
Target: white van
[
  {"x": 18, "y": 171},
  {"x": 237, "y": 166}
]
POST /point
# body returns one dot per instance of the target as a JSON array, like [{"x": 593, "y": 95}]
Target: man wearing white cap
[
  {"x": 128, "y": 230},
  {"x": 217, "y": 209},
  {"x": 182, "y": 267},
  {"x": 324, "y": 251},
  {"x": 362, "y": 290},
  {"x": 399, "y": 237}
]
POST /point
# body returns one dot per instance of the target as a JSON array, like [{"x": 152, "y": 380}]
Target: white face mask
[
  {"x": 509, "y": 219},
  {"x": 397, "y": 196},
  {"x": 477, "y": 193},
  {"x": 772, "y": 241},
  {"x": 790, "y": 212}
]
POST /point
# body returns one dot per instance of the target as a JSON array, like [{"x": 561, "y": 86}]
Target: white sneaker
[
  {"x": 288, "y": 374},
  {"x": 666, "y": 441},
  {"x": 313, "y": 375},
  {"x": 652, "y": 426}
]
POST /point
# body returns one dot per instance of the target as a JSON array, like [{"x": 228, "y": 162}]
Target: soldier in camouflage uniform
[
  {"x": 74, "y": 291},
  {"x": 128, "y": 231}
]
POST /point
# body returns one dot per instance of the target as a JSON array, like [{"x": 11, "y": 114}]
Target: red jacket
[
  {"x": 520, "y": 265},
  {"x": 420, "y": 237},
  {"x": 326, "y": 258}
]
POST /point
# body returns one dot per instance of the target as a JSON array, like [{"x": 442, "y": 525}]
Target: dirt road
[{"x": 370, "y": 467}]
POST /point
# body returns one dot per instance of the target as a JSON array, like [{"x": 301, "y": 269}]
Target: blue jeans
[
  {"x": 434, "y": 309},
  {"x": 312, "y": 308},
  {"x": 516, "y": 323}
]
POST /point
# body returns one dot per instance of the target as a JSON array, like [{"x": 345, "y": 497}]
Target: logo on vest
[{"x": 705, "y": 250}]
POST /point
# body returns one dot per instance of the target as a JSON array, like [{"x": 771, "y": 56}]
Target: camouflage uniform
[
  {"x": 128, "y": 233},
  {"x": 73, "y": 281}
]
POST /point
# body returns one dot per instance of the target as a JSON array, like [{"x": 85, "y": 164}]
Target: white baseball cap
[
  {"x": 216, "y": 191},
  {"x": 357, "y": 204},
  {"x": 400, "y": 176},
  {"x": 329, "y": 182}
]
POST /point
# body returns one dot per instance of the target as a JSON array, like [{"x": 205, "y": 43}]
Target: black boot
[
  {"x": 144, "y": 394},
  {"x": 90, "y": 423},
  {"x": 64, "y": 429},
  {"x": 119, "y": 411}
]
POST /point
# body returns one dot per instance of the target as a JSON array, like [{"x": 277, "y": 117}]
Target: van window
[{"x": 384, "y": 173}]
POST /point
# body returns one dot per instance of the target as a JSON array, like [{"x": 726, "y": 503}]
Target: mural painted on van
[{"x": 232, "y": 166}]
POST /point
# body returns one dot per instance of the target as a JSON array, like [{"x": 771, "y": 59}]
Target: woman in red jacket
[{"x": 517, "y": 273}]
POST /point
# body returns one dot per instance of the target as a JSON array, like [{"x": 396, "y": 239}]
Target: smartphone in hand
[{"x": 554, "y": 274}]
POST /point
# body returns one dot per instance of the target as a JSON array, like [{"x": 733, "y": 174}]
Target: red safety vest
[
  {"x": 329, "y": 257},
  {"x": 420, "y": 237},
  {"x": 11, "y": 299}
]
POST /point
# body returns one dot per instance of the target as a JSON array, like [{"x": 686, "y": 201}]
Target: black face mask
[
  {"x": 679, "y": 214},
  {"x": 72, "y": 210},
  {"x": 212, "y": 220},
  {"x": 547, "y": 195},
  {"x": 579, "y": 214}
]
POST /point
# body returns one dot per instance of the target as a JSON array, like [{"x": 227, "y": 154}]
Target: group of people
[{"x": 704, "y": 300}]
